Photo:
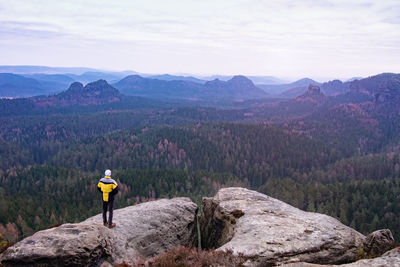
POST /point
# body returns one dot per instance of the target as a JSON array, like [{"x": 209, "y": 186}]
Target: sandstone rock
[
  {"x": 142, "y": 231},
  {"x": 150, "y": 228},
  {"x": 378, "y": 242},
  {"x": 268, "y": 231},
  {"x": 314, "y": 89},
  {"x": 389, "y": 259},
  {"x": 312, "y": 95},
  {"x": 66, "y": 245}
]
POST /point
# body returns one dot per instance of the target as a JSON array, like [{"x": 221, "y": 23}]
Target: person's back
[{"x": 109, "y": 188}]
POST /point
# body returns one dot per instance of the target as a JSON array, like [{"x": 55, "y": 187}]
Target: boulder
[
  {"x": 142, "y": 231},
  {"x": 389, "y": 259},
  {"x": 267, "y": 231},
  {"x": 378, "y": 242},
  {"x": 66, "y": 245}
]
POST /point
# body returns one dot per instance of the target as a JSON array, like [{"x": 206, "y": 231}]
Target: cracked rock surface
[
  {"x": 389, "y": 259},
  {"x": 269, "y": 232},
  {"x": 142, "y": 231}
]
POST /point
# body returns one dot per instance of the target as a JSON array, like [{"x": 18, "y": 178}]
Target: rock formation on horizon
[{"x": 313, "y": 95}]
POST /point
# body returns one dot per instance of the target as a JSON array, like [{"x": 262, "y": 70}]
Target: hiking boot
[
  {"x": 105, "y": 223},
  {"x": 111, "y": 225}
]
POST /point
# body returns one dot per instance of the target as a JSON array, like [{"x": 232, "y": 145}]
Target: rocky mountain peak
[
  {"x": 313, "y": 95},
  {"x": 132, "y": 78},
  {"x": 75, "y": 87},
  {"x": 314, "y": 89},
  {"x": 239, "y": 87},
  {"x": 390, "y": 92},
  {"x": 335, "y": 87},
  {"x": 216, "y": 83},
  {"x": 376, "y": 84},
  {"x": 242, "y": 81},
  {"x": 101, "y": 88},
  {"x": 98, "y": 92}
]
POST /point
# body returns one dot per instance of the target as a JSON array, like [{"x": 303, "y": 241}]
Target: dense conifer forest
[{"x": 339, "y": 160}]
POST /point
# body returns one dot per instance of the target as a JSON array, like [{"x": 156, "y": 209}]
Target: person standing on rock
[{"x": 109, "y": 188}]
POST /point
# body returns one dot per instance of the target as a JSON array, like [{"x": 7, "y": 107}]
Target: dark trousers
[{"x": 110, "y": 206}]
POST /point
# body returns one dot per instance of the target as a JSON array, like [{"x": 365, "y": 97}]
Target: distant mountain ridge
[
  {"x": 375, "y": 84},
  {"x": 281, "y": 90},
  {"x": 91, "y": 76},
  {"x": 239, "y": 87},
  {"x": 51, "y": 83},
  {"x": 190, "y": 88},
  {"x": 93, "y": 95},
  {"x": 168, "y": 77},
  {"x": 14, "y": 85},
  {"x": 270, "y": 80}
]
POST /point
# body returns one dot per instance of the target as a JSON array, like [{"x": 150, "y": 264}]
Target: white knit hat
[{"x": 107, "y": 173}]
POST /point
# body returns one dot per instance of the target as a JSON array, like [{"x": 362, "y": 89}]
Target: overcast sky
[{"x": 283, "y": 38}]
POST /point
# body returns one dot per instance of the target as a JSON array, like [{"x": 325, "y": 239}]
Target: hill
[
  {"x": 277, "y": 89},
  {"x": 335, "y": 87},
  {"x": 13, "y": 85},
  {"x": 52, "y": 83},
  {"x": 139, "y": 86},
  {"x": 239, "y": 87},
  {"x": 91, "y": 76},
  {"x": 168, "y": 77},
  {"x": 254, "y": 79}
]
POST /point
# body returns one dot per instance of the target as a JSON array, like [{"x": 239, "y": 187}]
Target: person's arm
[
  {"x": 99, "y": 187},
  {"x": 115, "y": 189}
]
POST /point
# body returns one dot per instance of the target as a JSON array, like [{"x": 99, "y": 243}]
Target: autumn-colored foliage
[
  {"x": 54, "y": 225},
  {"x": 123, "y": 264},
  {"x": 181, "y": 256},
  {"x": 193, "y": 257},
  {"x": 4, "y": 244}
]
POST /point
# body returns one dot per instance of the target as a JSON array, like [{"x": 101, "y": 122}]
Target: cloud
[
  {"x": 272, "y": 33},
  {"x": 28, "y": 30}
]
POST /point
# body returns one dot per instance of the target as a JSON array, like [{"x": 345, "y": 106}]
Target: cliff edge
[{"x": 257, "y": 228}]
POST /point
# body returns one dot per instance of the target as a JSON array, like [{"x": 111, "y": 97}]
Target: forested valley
[{"x": 340, "y": 160}]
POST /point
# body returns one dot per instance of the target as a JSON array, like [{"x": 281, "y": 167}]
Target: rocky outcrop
[
  {"x": 264, "y": 230},
  {"x": 237, "y": 87},
  {"x": 67, "y": 245},
  {"x": 268, "y": 231},
  {"x": 142, "y": 231},
  {"x": 94, "y": 93},
  {"x": 389, "y": 259},
  {"x": 378, "y": 242},
  {"x": 375, "y": 84},
  {"x": 313, "y": 95},
  {"x": 335, "y": 87}
]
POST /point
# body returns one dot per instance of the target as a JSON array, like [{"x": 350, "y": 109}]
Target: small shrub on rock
[
  {"x": 192, "y": 257},
  {"x": 237, "y": 213},
  {"x": 123, "y": 264}
]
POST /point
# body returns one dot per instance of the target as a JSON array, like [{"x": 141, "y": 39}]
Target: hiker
[{"x": 109, "y": 188}]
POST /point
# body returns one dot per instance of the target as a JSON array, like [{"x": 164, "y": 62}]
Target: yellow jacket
[{"x": 108, "y": 187}]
